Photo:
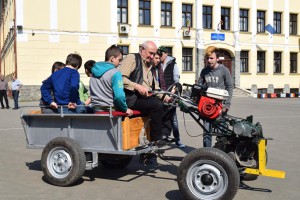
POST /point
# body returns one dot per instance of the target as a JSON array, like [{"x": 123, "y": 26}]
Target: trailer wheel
[
  {"x": 208, "y": 173},
  {"x": 115, "y": 161},
  {"x": 63, "y": 161}
]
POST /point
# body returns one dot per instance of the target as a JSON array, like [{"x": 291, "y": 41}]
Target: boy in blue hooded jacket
[{"x": 106, "y": 84}]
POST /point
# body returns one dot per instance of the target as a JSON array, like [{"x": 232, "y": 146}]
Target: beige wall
[{"x": 36, "y": 53}]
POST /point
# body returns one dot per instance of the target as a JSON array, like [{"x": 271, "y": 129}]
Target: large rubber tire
[
  {"x": 208, "y": 173},
  {"x": 63, "y": 161},
  {"x": 115, "y": 161}
]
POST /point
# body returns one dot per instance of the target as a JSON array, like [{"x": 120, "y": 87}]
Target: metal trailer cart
[{"x": 73, "y": 143}]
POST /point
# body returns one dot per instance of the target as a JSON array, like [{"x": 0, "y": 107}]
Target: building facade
[{"x": 259, "y": 40}]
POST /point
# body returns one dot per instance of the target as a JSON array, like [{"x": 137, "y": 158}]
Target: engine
[
  {"x": 247, "y": 129},
  {"x": 210, "y": 106}
]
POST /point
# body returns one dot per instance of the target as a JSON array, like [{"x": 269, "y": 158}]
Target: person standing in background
[
  {"x": 3, "y": 91},
  {"x": 215, "y": 75},
  {"x": 15, "y": 87},
  {"x": 168, "y": 75}
]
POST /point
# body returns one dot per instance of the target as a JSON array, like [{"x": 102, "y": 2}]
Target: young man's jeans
[
  {"x": 207, "y": 138},
  {"x": 174, "y": 123},
  {"x": 15, "y": 94}
]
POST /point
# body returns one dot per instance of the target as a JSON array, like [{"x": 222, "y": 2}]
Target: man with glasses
[{"x": 138, "y": 82}]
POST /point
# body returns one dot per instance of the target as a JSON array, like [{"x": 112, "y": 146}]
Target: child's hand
[
  {"x": 72, "y": 105},
  {"x": 129, "y": 112},
  {"x": 53, "y": 105}
]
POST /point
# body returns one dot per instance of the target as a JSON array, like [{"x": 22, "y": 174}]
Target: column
[
  {"x": 199, "y": 39},
  {"x": 236, "y": 67},
  {"x": 156, "y": 5},
  {"x": 83, "y": 38},
  {"x": 53, "y": 36}
]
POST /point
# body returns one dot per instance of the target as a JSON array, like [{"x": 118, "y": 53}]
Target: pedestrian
[
  {"x": 3, "y": 91},
  {"x": 15, "y": 87},
  {"x": 215, "y": 75},
  {"x": 168, "y": 75},
  {"x": 138, "y": 82}
]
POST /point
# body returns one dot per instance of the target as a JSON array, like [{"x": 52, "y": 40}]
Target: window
[
  {"x": 125, "y": 50},
  {"x": 261, "y": 61},
  {"x": 207, "y": 17},
  {"x": 123, "y": 11},
  {"x": 225, "y": 18},
  {"x": 187, "y": 59},
  {"x": 244, "y": 61},
  {"x": 277, "y": 22},
  {"x": 260, "y": 21},
  {"x": 243, "y": 20},
  {"x": 293, "y": 24},
  {"x": 277, "y": 62},
  {"x": 166, "y": 14},
  {"x": 186, "y": 15},
  {"x": 293, "y": 62},
  {"x": 144, "y": 12}
]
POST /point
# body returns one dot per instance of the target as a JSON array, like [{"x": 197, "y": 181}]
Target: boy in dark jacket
[{"x": 65, "y": 84}]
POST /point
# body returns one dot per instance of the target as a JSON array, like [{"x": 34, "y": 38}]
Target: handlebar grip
[{"x": 185, "y": 84}]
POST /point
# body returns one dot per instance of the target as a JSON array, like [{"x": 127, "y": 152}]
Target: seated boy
[
  {"x": 65, "y": 84},
  {"x": 106, "y": 85}
]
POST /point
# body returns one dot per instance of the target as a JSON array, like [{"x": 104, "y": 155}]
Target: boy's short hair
[
  {"x": 88, "y": 65},
  {"x": 74, "y": 60},
  {"x": 114, "y": 51},
  {"x": 212, "y": 49},
  {"x": 57, "y": 66}
]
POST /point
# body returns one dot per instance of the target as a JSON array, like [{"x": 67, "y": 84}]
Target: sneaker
[
  {"x": 180, "y": 144},
  {"x": 7, "y": 107},
  {"x": 160, "y": 143},
  {"x": 2, "y": 108}
]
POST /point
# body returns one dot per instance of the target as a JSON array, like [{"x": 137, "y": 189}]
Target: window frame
[
  {"x": 295, "y": 61},
  {"x": 244, "y": 58},
  {"x": 122, "y": 47},
  {"x": 244, "y": 20},
  {"x": 277, "y": 57},
  {"x": 261, "y": 62},
  {"x": 164, "y": 14},
  {"x": 143, "y": 12},
  {"x": 187, "y": 59},
  {"x": 120, "y": 11},
  {"x": 277, "y": 22},
  {"x": 225, "y": 18},
  {"x": 293, "y": 23},
  {"x": 261, "y": 21},
  {"x": 184, "y": 15},
  {"x": 206, "y": 16}
]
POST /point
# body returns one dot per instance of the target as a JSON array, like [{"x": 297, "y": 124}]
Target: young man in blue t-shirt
[{"x": 65, "y": 84}]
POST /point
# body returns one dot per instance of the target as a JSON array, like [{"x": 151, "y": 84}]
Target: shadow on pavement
[
  {"x": 35, "y": 165},
  {"x": 244, "y": 186}
]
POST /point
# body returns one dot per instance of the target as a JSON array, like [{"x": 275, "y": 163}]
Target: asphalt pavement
[{"x": 22, "y": 178}]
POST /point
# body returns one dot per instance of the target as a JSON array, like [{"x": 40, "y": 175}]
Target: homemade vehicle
[{"x": 73, "y": 143}]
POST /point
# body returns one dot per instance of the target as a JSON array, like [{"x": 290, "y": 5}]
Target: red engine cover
[{"x": 209, "y": 108}]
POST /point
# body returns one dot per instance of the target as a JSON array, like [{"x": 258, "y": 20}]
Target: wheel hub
[
  {"x": 207, "y": 179},
  {"x": 59, "y": 163}
]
